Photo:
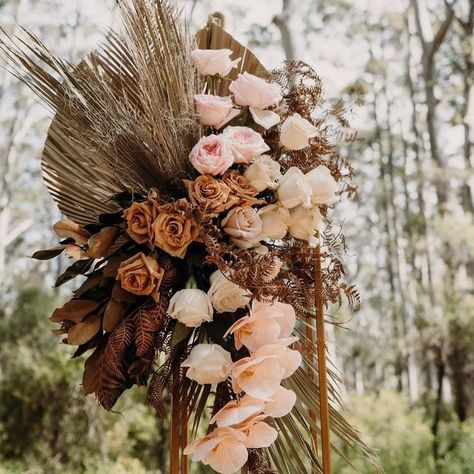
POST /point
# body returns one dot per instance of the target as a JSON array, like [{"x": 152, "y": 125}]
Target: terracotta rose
[
  {"x": 210, "y": 194},
  {"x": 141, "y": 275},
  {"x": 240, "y": 186},
  {"x": 174, "y": 230},
  {"x": 140, "y": 217}
]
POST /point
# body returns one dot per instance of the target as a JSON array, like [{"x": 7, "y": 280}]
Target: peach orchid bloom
[
  {"x": 223, "y": 449},
  {"x": 260, "y": 374},
  {"x": 266, "y": 324},
  {"x": 258, "y": 434},
  {"x": 235, "y": 412}
]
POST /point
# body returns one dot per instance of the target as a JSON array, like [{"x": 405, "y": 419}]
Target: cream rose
[
  {"x": 208, "y": 364},
  {"x": 210, "y": 62},
  {"x": 255, "y": 92},
  {"x": 275, "y": 221},
  {"x": 191, "y": 307},
  {"x": 263, "y": 173},
  {"x": 212, "y": 155},
  {"x": 294, "y": 189},
  {"x": 246, "y": 144},
  {"x": 324, "y": 186},
  {"x": 214, "y": 110},
  {"x": 244, "y": 226},
  {"x": 304, "y": 222},
  {"x": 296, "y": 132},
  {"x": 226, "y": 297}
]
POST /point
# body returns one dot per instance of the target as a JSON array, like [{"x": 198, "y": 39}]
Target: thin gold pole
[
  {"x": 184, "y": 440},
  {"x": 175, "y": 428},
  {"x": 322, "y": 370}
]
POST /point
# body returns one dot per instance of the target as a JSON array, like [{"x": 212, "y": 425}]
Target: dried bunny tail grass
[{"x": 124, "y": 117}]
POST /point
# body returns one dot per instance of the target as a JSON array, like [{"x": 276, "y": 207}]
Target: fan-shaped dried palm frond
[{"x": 124, "y": 116}]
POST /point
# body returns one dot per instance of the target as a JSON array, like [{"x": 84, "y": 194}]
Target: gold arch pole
[{"x": 322, "y": 368}]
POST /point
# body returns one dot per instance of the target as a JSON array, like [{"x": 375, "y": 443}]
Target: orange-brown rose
[
  {"x": 140, "y": 217},
  {"x": 141, "y": 275},
  {"x": 210, "y": 194},
  {"x": 174, "y": 229},
  {"x": 241, "y": 188}
]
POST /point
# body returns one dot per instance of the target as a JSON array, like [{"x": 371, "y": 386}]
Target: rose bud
[
  {"x": 304, "y": 222},
  {"x": 208, "y": 364},
  {"x": 294, "y": 189},
  {"x": 296, "y": 132},
  {"x": 263, "y": 173},
  {"x": 214, "y": 110},
  {"x": 226, "y": 297},
  {"x": 191, "y": 307},
  {"x": 275, "y": 221},
  {"x": 324, "y": 186},
  {"x": 210, "y": 62}
]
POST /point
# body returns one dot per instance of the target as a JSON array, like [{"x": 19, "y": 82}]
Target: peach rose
[
  {"x": 226, "y": 297},
  {"x": 214, "y": 110},
  {"x": 223, "y": 449},
  {"x": 210, "y": 194},
  {"x": 255, "y": 92},
  {"x": 212, "y": 155},
  {"x": 141, "y": 275},
  {"x": 244, "y": 226},
  {"x": 294, "y": 189},
  {"x": 323, "y": 184},
  {"x": 210, "y": 62},
  {"x": 246, "y": 144},
  {"x": 240, "y": 186},
  {"x": 296, "y": 132},
  {"x": 140, "y": 217},
  {"x": 174, "y": 230},
  {"x": 263, "y": 173}
]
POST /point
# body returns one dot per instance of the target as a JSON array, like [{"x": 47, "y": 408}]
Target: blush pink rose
[
  {"x": 246, "y": 143},
  {"x": 214, "y": 110},
  {"x": 255, "y": 92},
  {"x": 244, "y": 226},
  {"x": 212, "y": 155},
  {"x": 210, "y": 62}
]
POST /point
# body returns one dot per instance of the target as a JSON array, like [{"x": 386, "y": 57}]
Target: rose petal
[{"x": 266, "y": 118}]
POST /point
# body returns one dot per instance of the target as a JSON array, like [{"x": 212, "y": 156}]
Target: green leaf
[
  {"x": 180, "y": 333},
  {"x": 48, "y": 254}
]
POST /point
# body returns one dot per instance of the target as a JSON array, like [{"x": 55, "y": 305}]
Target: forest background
[{"x": 406, "y": 357}]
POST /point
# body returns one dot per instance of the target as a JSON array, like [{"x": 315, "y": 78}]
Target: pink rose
[
  {"x": 255, "y": 92},
  {"x": 246, "y": 143},
  {"x": 244, "y": 226},
  {"x": 214, "y": 110},
  {"x": 212, "y": 155},
  {"x": 210, "y": 62}
]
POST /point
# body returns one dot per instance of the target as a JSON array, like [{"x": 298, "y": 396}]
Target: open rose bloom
[{"x": 198, "y": 193}]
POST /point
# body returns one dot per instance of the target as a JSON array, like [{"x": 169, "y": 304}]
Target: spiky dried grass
[{"x": 124, "y": 117}]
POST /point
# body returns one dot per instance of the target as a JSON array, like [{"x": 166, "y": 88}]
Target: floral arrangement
[{"x": 198, "y": 270}]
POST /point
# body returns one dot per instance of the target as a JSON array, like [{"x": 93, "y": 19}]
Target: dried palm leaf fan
[{"x": 124, "y": 124}]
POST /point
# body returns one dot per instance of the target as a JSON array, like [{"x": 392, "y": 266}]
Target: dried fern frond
[{"x": 124, "y": 117}]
